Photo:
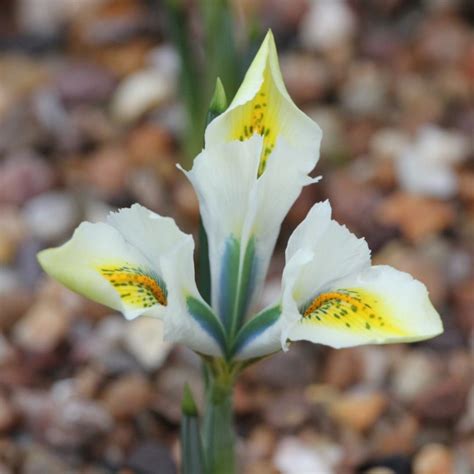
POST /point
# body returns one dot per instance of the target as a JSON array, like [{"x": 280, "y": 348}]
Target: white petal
[
  {"x": 153, "y": 234},
  {"x": 336, "y": 252},
  {"x": 180, "y": 325},
  {"x": 96, "y": 258},
  {"x": 139, "y": 263},
  {"x": 262, "y": 105},
  {"x": 376, "y": 306},
  {"x": 235, "y": 203},
  {"x": 224, "y": 177}
]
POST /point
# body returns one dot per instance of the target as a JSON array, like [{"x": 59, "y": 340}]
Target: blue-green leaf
[
  {"x": 191, "y": 444},
  {"x": 236, "y": 283},
  {"x": 229, "y": 281},
  {"x": 205, "y": 317},
  {"x": 246, "y": 283},
  {"x": 256, "y": 326}
]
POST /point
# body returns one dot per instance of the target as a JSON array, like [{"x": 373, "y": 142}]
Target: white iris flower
[{"x": 257, "y": 157}]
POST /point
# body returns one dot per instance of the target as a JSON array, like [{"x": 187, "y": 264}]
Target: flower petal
[
  {"x": 242, "y": 214},
  {"x": 262, "y": 106},
  {"x": 138, "y": 263},
  {"x": 335, "y": 253},
  {"x": 146, "y": 230},
  {"x": 188, "y": 318},
  {"x": 223, "y": 177},
  {"x": 376, "y": 306},
  {"x": 99, "y": 263}
]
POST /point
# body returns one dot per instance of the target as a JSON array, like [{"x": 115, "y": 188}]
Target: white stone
[
  {"x": 293, "y": 456},
  {"x": 425, "y": 166},
  {"x": 327, "y": 24},
  {"x": 141, "y": 92},
  {"x": 51, "y": 216},
  {"x": 144, "y": 340}
]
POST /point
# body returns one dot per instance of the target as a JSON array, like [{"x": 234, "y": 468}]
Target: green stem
[{"x": 218, "y": 429}]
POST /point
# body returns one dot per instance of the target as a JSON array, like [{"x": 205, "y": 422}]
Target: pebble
[
  {"x": 42, "y": 328},
  {"x": 395, "y": 436},
  {"x": 279, "y": 371},
  {"x": 417, "y": 217},
  {"x": 14, "y": 303},
  {"x": 106, "y": 170},
  {"x": 365, "y": 90},
  {"x": 343, "y": 368},
  {"x": 170, "y": 385},
  {"x": 327, "y": 25},
  {"x": 425, "y": 166},
  {"x": 433, "y": 459},
  {"x": 464, "y": 304},
  {"x": 12, "y": 232},
  {"x": 443, "y": 402},
  {"x": 151, "y": 457},
  {"x": 150, "y": 144},
  {"x": 23, "y": 175},
  {"x": 38, "y": 460},
  {"x": 140, "y": 93},
  {"x": 359, "y": 411},
  {"x": 293, "y": 456},
  {"x": 51, "y": 216},
  {"x": 414, "y": 373},
  {"x": 288, "y": 411},
  {"x": 305, "y": 77},
  {"x": 8, "y": 415},
  {"x": 388, "y": 143},
  {"x": 79, "y": 83},
  {"x": 144, "y": 340},
  {"x": 62, "y": 418},
  {"x": 127, "y": 396},
  {"x": 334, "y": 147}
]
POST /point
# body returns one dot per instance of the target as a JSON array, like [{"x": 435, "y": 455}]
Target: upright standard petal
[
  {"x": 262, "y": 106},
  {"x": 334, "y": 297},
  {"x": 242, "y": 214},
  {"x": 122, "y": 263}
]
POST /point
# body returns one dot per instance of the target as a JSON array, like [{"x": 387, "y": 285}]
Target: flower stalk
[{"x": 218, "y": 424}]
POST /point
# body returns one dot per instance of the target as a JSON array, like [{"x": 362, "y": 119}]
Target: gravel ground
[{"x": 82, "y": 132}]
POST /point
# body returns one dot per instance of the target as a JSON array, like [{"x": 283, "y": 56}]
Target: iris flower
[{"x": 257, "y": 158}]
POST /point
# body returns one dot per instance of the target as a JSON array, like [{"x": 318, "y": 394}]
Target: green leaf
[
  {"x": 229, "y": 280},
  {"x": 218, "y": 102},
  {"x": 205, "y": 317},
  {"x": 204, "y": 273},
  {"x": 188, "y": 405},
  {"x": 218, "y": 428},
  {"x": 256, "y": 326},
  {"x": 191, "y": 443},
  {"x": 246, "y": 283}
]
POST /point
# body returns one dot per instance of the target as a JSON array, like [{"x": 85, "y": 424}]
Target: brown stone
[
  {"x": 148, "y": 144},
  {"x": 464, "y": 304},
  {"x": 417, "y": 217},
  {"x": 8, "y": 414},
  {"x": 466, "y": 186},
  {"x": 398, "y": 437},
  {"x": 343, "y": 368},
  {"x": 13, "y": 304},
  {"x": 107, "y": 170},
  {"x": 359, "y": 411},
  {"x": 442, "y": 403},
  {"x": 127, "y": 396},
  {"x": 43, "y": 327},
  {"x": 434, "y": 459}
]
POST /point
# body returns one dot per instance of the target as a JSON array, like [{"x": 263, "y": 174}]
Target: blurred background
[{"x": 99, "y": 99}]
